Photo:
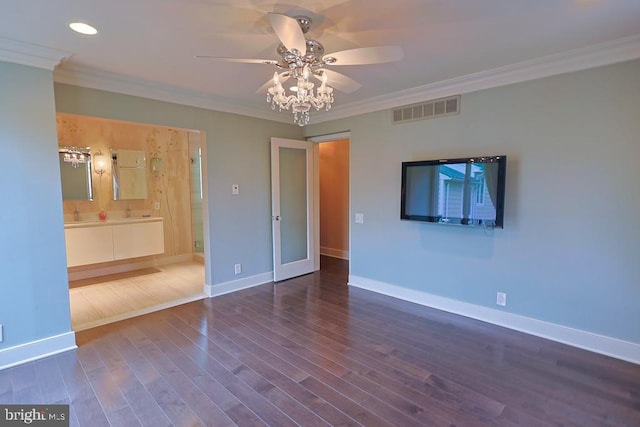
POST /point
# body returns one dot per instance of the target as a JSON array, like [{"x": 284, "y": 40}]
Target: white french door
[{"x": 292, "y": 201}]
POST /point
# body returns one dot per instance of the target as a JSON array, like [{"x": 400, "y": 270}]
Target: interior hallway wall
[{"x": 34, "y": 298}]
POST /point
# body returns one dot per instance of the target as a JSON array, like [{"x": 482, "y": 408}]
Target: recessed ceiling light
[{"x": 82, "y": 28}]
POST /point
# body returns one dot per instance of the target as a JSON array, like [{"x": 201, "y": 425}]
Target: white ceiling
[{"x": 147, "y": 47}]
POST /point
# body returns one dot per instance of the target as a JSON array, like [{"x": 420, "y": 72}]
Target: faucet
[{"x": 76, "y": 215}]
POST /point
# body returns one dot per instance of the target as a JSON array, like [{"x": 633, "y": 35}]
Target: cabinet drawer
[
  {"x": 88, "y": 245},
  {"x": 135, "y": 240}
]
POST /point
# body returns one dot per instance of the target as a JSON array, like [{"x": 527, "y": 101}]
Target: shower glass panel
[{"x": 196, "y": 199}]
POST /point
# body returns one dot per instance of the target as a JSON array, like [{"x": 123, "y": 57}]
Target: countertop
[{"x": 110, "y": 221}]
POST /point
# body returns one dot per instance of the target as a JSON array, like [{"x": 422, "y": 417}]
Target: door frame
[
  {"x": 316, "y": 189},
  {"x": 316, "y": 192}
]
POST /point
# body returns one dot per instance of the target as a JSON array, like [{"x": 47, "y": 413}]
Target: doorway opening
[
  {"x": 106, "y": 290},
  {"x": 334, "y": 198},
  {"x": 333, "y": 201},
  {"x": 310, "y": 202}
]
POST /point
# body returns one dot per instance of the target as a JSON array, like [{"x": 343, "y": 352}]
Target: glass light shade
[{"x": 99, "y": 163}]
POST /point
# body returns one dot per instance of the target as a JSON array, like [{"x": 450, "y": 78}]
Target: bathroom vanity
[{"x": 92, "y": 242}]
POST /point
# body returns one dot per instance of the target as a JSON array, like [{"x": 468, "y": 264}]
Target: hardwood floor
[
  {"x": 313, "y": 352},
  {"x": 106, "y": 299}
]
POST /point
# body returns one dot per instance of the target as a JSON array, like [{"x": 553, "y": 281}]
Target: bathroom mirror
[
  {"x": 129, "y": 174},
  {"x": 75, "y": 173}
]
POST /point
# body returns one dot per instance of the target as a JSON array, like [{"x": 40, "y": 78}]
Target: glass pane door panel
[{"x": 293, "y": 204}]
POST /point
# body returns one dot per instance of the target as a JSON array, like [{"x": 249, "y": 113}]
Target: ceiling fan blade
[
  {"x": 365, "y": 55},
  {"x": 289, "y": 32},
  {"x": 283, "y": 78},
  {"x": 243, "y": 60},
  {"x": 339, "y": 81}
]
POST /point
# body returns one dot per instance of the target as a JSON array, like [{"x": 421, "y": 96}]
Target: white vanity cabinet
[
  {"x": 94, "y": 242},
  {"x": 138, "y": 239},
  {"x": 88, "y": 245}
]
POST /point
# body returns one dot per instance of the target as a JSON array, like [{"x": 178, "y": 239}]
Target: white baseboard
[
  {"x": 236, "y": 285},
  {"x": 609, "y": 346},
  {"x": 334, "y": 253},
  {"x": 38, "y": 349}
]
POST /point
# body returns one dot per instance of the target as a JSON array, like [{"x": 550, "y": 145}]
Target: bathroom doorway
[{"x": 111, "y": 291}]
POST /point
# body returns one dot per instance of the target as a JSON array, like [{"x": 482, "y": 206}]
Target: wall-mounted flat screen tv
[{"x": 468, "y": 191}]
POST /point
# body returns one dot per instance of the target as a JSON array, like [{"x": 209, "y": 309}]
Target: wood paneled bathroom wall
[{"x": 170, "y": 186}]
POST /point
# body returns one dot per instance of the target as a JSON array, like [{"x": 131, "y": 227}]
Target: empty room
[{"x": 320, "y": 213}]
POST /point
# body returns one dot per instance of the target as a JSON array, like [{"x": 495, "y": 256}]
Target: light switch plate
[{"x": 235, "y": 189}]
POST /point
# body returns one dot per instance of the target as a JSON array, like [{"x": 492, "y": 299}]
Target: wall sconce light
[
  {"x": 156, "y": 164},
  {"x": 100, "y": 163}
]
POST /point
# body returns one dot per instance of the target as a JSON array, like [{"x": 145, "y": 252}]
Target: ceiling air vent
[{"x": 427, "y": 110}]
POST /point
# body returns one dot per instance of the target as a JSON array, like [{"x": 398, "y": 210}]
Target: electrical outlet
[
  {"x": 156, "y": 206},
  {"x": 501, "y": 299},
  {"x": 359, "y": 218},
  {"x": 238, "y": 268},
  {"x": 1, "y": 333}
]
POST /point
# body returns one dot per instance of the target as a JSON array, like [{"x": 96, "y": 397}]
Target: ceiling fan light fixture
[
  {"x": 302, "y": 60},
  {"x": 303, "y": 97},
  {"x": 83, "y": 28}
]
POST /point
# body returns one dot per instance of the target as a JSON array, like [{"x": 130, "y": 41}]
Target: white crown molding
[
  {"x": 620, "y": 50},
  {"x": 92, "y": 78},
  {"x": 30, "y": 54}
]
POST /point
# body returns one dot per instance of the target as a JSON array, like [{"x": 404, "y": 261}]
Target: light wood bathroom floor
[{"x": 107, "y": 299}]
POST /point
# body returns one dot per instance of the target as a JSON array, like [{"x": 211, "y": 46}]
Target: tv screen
[{"x": 467, "y": 191}]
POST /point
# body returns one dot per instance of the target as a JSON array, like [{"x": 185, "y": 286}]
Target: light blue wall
[
  {"x": 237, "y": 149},
  {"x": 34, "y": 296},
  {"x": 569, "y": 251}
]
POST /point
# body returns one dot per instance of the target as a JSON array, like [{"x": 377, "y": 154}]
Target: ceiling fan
[{"x": 303, "y": 59}]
